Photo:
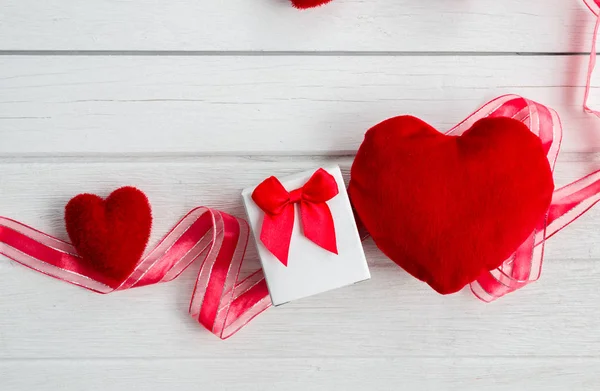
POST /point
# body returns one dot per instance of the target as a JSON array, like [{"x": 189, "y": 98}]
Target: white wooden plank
[
  {"x": 257, "y": 105},
  {"x": 344, "y": 25},
  {"x": 176, "y": 185},
  {"x": 440, "y": 374},
  {"x": 391, "y": 315}
]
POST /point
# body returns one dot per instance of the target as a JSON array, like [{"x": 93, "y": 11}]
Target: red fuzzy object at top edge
[{"x": 304, "y": 4}]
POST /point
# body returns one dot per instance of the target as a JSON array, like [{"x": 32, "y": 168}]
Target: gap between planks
[
  {"x": 277, "y": 53},
  {"x": 129, "y": 359}
]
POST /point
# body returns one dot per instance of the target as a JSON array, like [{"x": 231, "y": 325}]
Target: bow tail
[
  {"x": 318, "y": 226},
  {"x": 276, "y": 233}
]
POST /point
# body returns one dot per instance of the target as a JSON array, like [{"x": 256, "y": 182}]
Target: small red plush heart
[
  {"x": 110, "y": 235},
  {"x": 449, "y": 208},
  {"x": 303, "y": 4}
]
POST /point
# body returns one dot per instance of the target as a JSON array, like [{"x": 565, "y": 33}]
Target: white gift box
[{"x": 311, "y": 269}]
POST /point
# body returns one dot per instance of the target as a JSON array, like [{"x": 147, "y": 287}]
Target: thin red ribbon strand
[
  {"x": 594, "y": 6},
  {"x": 221, "y": 302},
  {"x": 278, "y": 205}
]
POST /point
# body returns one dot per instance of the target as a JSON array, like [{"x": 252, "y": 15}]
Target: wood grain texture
[
  {"x": 273, "y": 25},
  {"x": 194, "y": 100},
  {"x": 378, "y": 374},
  {"x": 262, "y": 105},
  {"x": 390, "y": 316}
]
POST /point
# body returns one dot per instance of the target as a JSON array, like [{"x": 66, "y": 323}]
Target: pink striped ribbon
[
  {"x": 220, "y": 301},
  {"x": 568, "y": 202},
  {"x": 594, "y": 6},
  {"x": 223, "y": 303}
]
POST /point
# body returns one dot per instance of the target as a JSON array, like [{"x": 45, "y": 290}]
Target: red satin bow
[{"x": 278, "y": 205}]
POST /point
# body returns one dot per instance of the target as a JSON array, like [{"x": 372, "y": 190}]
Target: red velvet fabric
[
  {"x": 447, "y": 208},
  {"x": 110, "y": 234},
  {"x": 303, "y": 4}
]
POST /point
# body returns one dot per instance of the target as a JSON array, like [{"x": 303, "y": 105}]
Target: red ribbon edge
[{"x": 220, "y": 302}]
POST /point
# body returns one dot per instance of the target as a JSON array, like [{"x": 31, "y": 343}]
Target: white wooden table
[{"x": 193, "y": 100}]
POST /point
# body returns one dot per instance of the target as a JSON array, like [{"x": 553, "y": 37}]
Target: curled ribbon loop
[
  {"x": 278, "y": 205},
  {"x": 221, "y": 302},
  {"x": 568, "y": 202}
]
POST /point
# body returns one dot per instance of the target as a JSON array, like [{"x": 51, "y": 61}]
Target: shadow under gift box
[{"x": 311, "y": 269}]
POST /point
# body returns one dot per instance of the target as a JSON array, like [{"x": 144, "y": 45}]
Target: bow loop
[
  {"x": 271, "y": 196},
  {"x": 278, "y": 205},
  {"x": 321, "y": 187}
]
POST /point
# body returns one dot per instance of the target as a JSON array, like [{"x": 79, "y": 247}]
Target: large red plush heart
[
  {"x": 110, "y": 235},
  {"x": 448, "y": 208}
]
